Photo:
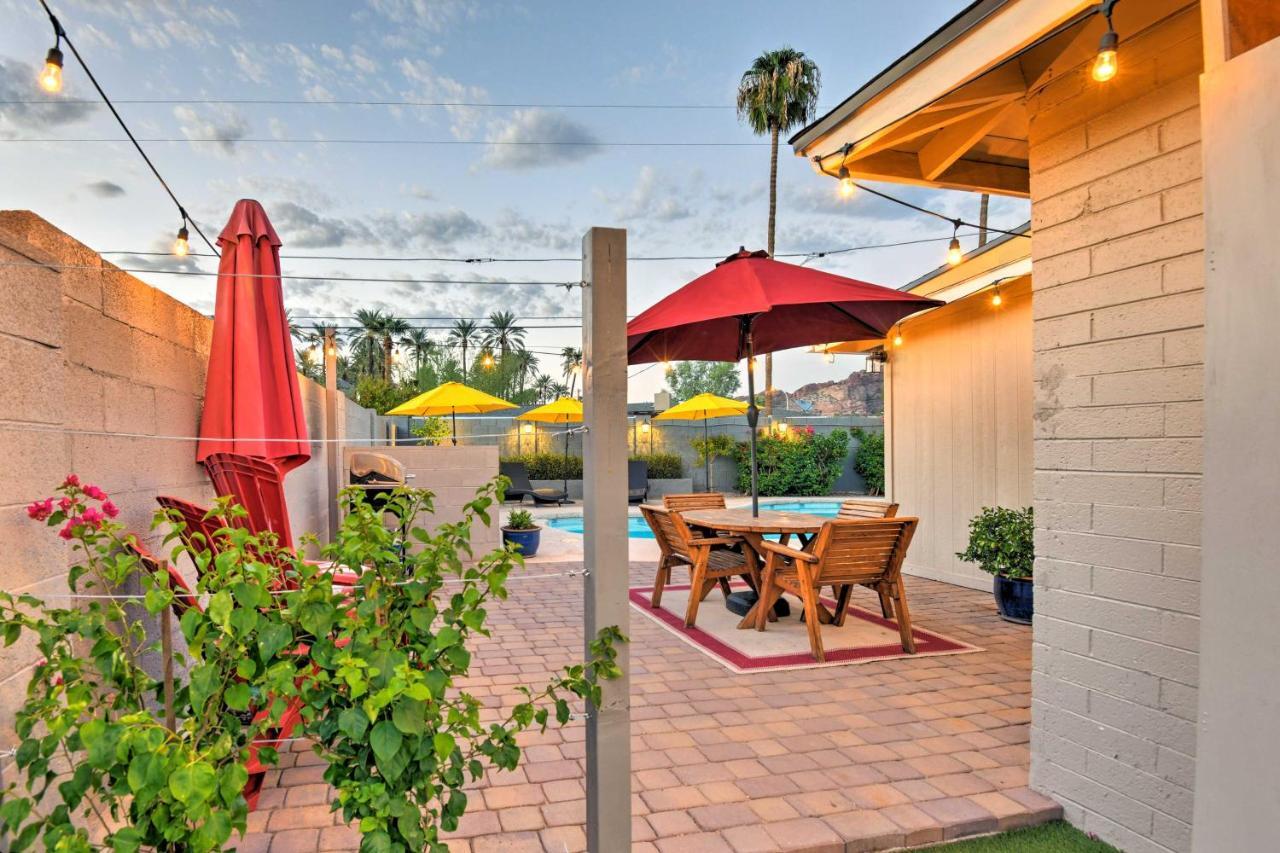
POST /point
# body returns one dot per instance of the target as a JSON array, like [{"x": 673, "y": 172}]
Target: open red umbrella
[
  {"x": 751, "y": 304},
  {"x": 252, "y": 403}
]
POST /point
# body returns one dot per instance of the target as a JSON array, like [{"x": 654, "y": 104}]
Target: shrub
[
  {"x": 92, "y": 713},
  {"x": 868, "y": 460},
  {"x": 520, "y": 519},
  {"x": 433, "y": 431},
  {"x": 1002, "y": 541},
  {"x": 801, "y": 463},
  {"x": 381, "y": 396},
  {"x": 716, "y": 446},
  {"x": 662, "y": 466},
  {"x": 549, "y": 466}
]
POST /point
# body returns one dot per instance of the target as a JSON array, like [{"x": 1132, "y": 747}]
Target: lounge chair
[
  {"x": 637, "y": 481},
  {"x": 520, "y": 486},
  {"x": 866, "y": 552}
]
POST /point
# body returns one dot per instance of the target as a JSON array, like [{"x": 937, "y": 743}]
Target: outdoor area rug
[{"x": 866, "y": 636}]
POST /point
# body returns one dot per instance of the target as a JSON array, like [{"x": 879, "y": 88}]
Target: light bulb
[
  {"x": 954, "y": 254},
  {"x": 51, "y": 76},
  {"x": 1107, "y": 63},
  {"x": 847, "y": 186},
  {"x": 181, "y": 246},
  {"x": 487, "y": 361},
  {"x": 995, "y": 299},
  {"x": 897, "y": 339}
]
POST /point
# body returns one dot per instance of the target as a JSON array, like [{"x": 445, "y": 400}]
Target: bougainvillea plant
[
  {"x": 383, "y": 703},
  {"x": 101, "y": 767}
]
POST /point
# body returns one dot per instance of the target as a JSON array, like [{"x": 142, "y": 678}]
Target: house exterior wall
[
  {"x": 97, "y": 350},
  {"x": 959, "y": 418},
  {"x": 1118, "y": 338}
]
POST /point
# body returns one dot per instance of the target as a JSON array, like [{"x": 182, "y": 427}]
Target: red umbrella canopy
[
  {"x": 252, "y": 404},
  {"x": 791, "y": 306}
]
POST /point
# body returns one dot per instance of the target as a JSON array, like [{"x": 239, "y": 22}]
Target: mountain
[{"x": 860, "y": 393}]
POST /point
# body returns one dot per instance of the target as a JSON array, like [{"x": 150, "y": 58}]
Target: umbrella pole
[
  {"x": 454, "y": 412},
  {"x": 566, "y": 462},
  {"x": 753, "y": 415},
  {"x": 706, "y": 453}
]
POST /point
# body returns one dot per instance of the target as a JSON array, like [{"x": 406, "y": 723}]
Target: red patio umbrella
[
  {"x": 751, "y": 304},
  {"x": 252, "y": 404}
]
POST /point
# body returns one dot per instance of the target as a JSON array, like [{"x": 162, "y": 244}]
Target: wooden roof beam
[{"x": 954, "y": 141}]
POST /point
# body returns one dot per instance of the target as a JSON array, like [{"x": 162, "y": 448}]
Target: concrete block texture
[{"x": 1118, "y": 272}]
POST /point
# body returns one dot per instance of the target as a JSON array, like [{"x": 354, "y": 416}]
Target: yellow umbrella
[
  {"x": 704, "y": 406},
  {"x": 449, "y": 399},
  {"x": 566, "y": 410}
]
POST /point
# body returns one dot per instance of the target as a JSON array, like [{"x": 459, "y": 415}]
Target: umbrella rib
[{"x": 859, "y": 321}]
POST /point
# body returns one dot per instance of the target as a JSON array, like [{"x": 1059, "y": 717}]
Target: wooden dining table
[{"x": 753, "y": 529}]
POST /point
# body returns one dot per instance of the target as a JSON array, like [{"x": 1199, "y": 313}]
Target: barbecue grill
[{"x": 377, "y": 474}]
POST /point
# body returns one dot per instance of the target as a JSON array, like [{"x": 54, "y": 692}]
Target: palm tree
[
  {"x": 419, "y": 344},
  {"x": 777, "y": 93},
  {"x": 464, "y": 334},
  {"x": 544, "y": 387},
  {"x": 559, "y": 389},
  {"x": 524, "y": 364},
  {"x": 375, "y": 340},
  {"x": 504, "y": 335},
  {"x": 571, "y": 364}
]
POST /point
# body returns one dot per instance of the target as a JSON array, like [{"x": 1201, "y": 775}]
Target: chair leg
[
  {"x": 659, "y": 582},
  {"x": 886, "y": 602},
  {"x": 842, "y": 603},
  {"x": 809, "y": 594},
  {"x": 724, "y": 586},
  {"x": 696, "y": 591},
  {"x": 904, "y": 617}
]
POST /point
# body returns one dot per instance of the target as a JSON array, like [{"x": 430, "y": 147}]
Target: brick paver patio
[{"x": 853, "y": 758}]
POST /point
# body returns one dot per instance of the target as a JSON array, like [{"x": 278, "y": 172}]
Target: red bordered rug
[{"x": 866, "y": 636}]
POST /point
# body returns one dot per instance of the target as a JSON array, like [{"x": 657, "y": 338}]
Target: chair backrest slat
[
  {"x": 858, "y": 550},
  {"x": 698, "y": 500},
  {"x": 257, "y": 485},
  {"x": 669, "y": 529},
  {"x": 863, "y": 508}
]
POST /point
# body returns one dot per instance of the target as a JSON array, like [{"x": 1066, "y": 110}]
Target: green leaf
[
  {"x": 436, "y": 681},
  {"x": 410, "y": 716},
  {"x": 12, "y": 631},
  {"x": 237, "y": 696},
  {"x": 444, "y": 744},
  {"x": 375, "y": 842},
  {"x": 353, "y": 723},
  {"x": 193, "y": 784},
  {"x": 272, "y": 639},
  {"x": 385, "y": 739},
  {"x": 126, "y": 840},
  {"x": 219, "y": 609}
]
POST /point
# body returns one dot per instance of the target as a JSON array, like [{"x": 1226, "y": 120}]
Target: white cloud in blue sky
[{"x": 468, "y": 199}]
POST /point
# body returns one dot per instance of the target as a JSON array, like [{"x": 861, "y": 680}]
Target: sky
[{"x": 536, "y": 71}]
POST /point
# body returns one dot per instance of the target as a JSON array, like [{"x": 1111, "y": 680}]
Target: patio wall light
[{"x": 1106, "y": 63}]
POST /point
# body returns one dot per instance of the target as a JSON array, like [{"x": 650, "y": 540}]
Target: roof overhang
[{"x": 951, "y": 113}]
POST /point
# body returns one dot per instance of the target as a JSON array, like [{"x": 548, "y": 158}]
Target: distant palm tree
[
  {"x": 374, "y": 340},
  {"x": 464, "y": 334},
  {"x": 777, "y": 93},
  {"x": 559, "y": 389},
  {"x": 524, "y": 365},
  {"x": 309, "y": 367},
  {"x": 419, "y": 344},
  {"x": 571, "y": 364},
  {"x": 504, "y": 335},
  {"x": 544, "y": 387}
]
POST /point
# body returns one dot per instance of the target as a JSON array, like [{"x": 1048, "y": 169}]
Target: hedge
[
  {"x": 557, "y": 466},
  {"x": 797, "y": 464}
]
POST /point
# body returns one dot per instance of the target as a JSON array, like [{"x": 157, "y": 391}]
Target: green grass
[{"x": 1056, "y": 837}]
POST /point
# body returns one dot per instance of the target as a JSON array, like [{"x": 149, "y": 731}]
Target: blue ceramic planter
[
  {"x": 524, "y": 541},
  {"x": 1014, "y": 599}
]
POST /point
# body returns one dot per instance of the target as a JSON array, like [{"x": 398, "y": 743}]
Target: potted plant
[
  {"x": 521, "y": 533},
  {"x": 1002, "y": 542}
]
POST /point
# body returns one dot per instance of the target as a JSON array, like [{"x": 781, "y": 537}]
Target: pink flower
[
  {"x": 66, "y": 531},
  {"x": 40, "y": 510},
  {"x": 95, "y": 493},
  {"x": 72, "y": 480},
  {"x": 110, "y": 509},
  {"x": 65, "y": 504},
  {"x": 92, "y": 517}
]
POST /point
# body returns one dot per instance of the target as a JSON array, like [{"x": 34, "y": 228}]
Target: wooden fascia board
[{"x": 903, "y": 167}]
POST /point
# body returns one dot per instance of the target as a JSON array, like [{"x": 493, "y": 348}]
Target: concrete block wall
[
  {"x": 88, "y": 347},
  {"x": 1118, "y": 370}
]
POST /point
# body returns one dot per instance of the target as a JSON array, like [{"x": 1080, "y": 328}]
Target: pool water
[{"x": 637, "y": 528}]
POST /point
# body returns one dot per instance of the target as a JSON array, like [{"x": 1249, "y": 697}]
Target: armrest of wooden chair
[
  {"x": 724, "y": 541},
  {"x": 787, "y": 553}
]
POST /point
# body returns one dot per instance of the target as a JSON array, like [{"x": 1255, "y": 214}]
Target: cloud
[
  {"x": 430, "y": 15},
  {"x": 655, "y": 197},
  {"x": 517, "y": 141},
  {"x": 18, "y": 83},
  {"x": 106, "y": 189},
  {"x": 301, "y": 227},
  {"x": 223, "y": 125},
  {"x": 424, "y": 84}
]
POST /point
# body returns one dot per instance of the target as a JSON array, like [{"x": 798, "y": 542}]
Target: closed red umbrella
[
  {"x": 252, "y": 403},
  {"x": 751, "y": 304}
]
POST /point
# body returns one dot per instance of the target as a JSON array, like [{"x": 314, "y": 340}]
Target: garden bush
[
  {"x": 799, "y": 463},
  {"x": 1002, "y": 541},
  {"x": 868, "y": 460},
  {"x": 549, "y": 466},
  {"x": 662, "y": 466}
]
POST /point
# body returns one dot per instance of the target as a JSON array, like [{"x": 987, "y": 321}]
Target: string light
[
  {"x": 51, "y": 76},
  {"x": 487, "y": 361},
  {"x": 897, "y": 336},
  {"x": 954, "y": 253},
  {"x": 1106, "y": 63},
  {"x": 847, "y": 186},
  {"x": 995, "y": 297},
  {"x": 181, "y": 245}
]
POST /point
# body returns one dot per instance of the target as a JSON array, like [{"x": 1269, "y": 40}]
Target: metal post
[
  {"x": 333, "y": 463},
  {"x": 604, "y": 479}
]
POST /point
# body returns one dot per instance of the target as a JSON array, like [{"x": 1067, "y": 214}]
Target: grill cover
[{"x": 375, "y": 469}]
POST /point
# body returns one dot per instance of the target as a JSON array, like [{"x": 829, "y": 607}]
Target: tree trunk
[
  {"x": 773, "y": 217},
  {"x": 464, "y": 362},
  {"x": 387, "y": 352}
]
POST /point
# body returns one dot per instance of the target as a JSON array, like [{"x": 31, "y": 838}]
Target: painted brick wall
[{"x": 1118, "y": 307}]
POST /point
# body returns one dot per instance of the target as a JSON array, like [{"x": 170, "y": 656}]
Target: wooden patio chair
[
  {"x": 711, "y": 560},
  {"x": 845, "y": 553},
  {"x": 867, "y": 508},
  {"x": 697, "y": 500}
]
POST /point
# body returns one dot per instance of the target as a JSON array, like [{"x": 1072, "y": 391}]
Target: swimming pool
[{"x": 637, "y": 528}]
